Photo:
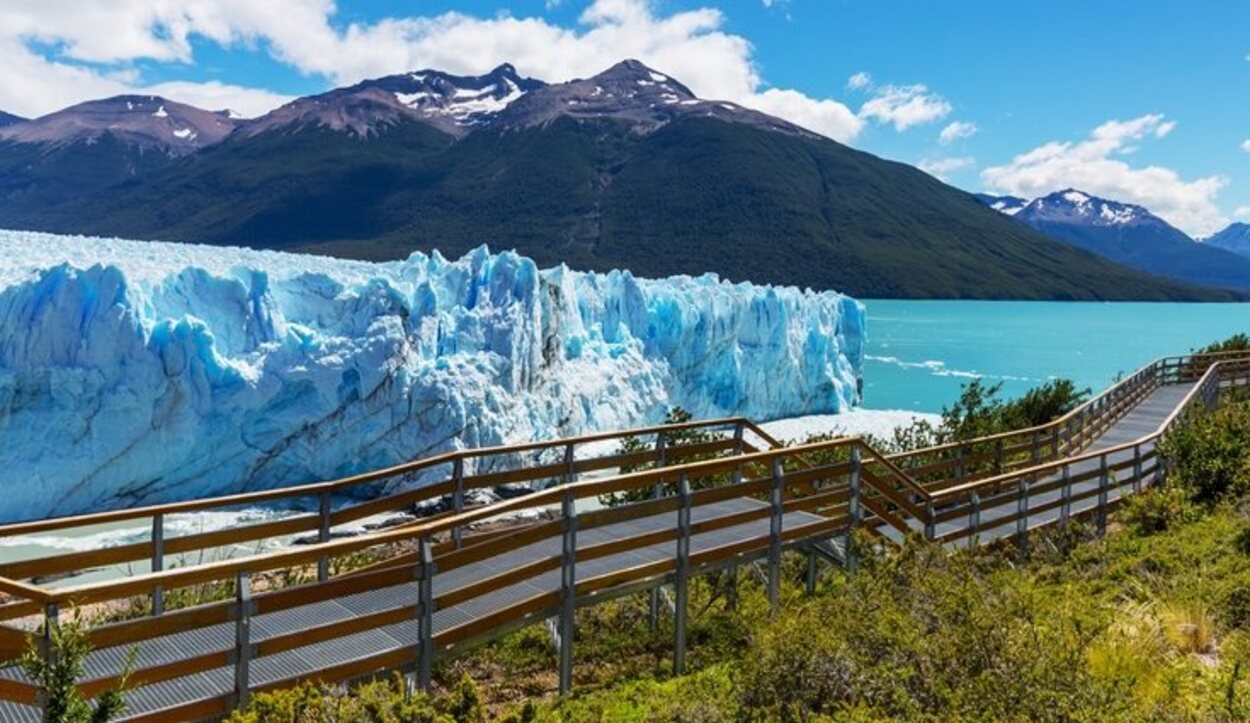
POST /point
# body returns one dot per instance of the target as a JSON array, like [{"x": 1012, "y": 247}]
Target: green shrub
[
  {"x": 923, "y": 634},
  {"x": 1209, "y": 456},
  {"x": 1158, "y": 509},
  {"x": 57, "y": 677},
  {"x": 375, "y": 702}
]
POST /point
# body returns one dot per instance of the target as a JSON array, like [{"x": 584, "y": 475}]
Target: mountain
[
  {"x": 1010, "y": 205},
  {"x": 627, "y": 169},
  {"x": 147, "y": 121},
  {"x": 94, "y": 146},
  {"x": 1131, "y": 235},
  {"x": 1235, "y": 238},
  {"x": 453, "y": 104},
  {"x": 8, "y": 119}
]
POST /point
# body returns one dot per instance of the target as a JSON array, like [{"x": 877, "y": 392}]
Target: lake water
[{"x": 919, "y": 353}]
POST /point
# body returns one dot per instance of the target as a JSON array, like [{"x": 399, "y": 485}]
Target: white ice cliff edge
[{"x": 137, "y": 372}]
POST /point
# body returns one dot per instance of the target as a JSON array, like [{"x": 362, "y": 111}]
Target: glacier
[{"x": 136, "y": 372}]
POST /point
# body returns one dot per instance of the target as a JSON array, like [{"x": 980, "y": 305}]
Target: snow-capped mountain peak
[
  {"x": 142, "y": 120},
  {"x": 1009, "y": 205},
  {"x": 454, "y": 104},
  {"x": 633, "y": 93},
  {"x": 1073, "y": 206}
]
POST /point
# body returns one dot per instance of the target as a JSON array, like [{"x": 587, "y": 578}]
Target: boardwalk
[{"x": 708, "y": 495}]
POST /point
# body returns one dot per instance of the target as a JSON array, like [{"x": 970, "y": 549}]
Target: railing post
[
  {"x": 1137, "y": 480},
  {"x": 974, "y": 518},
  {"x": 854, "y": 513},
  {"x": 1054, "y": 443},
  {"x": 323, "y": 536},
  {"x": 1065, "y": 495},
  {"x": 959, "y": 464},
  {"x": 47, "y": 651},
  {"x": 1022, "y": 521},
  {"x": 774, "y": 537},
  {"x": 1103, "y": 483},
  {"x": 570, "y": 464},
  {"x": 681, "y": 582},
  {"x": 1037, "y": 447},
  {"x": 425, "y": 614},
  {"x": 930, "y": 527},
  {"x": 457, "y": 499},
  {"x": 998, "y": 456},
  {"x": 242, "y": 639},
  {"x": 738, "y": 447},
  {"x": 661, "y": 457},
  {"x": 158, "y": 561},
  {"x": 568, "y": 590}
]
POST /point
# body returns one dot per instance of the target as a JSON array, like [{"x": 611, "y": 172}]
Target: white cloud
[
  {"x": 692, "y": 45},
  {"x": 1245, "y": 145},
  {"x": 943, "y": 167},
  {"x": 905, "y": 106},
  {"x": 859, "y": 81},
  {"x": 1089, "y": 165},
  {"x": 1242, "y": 212},
  {"x": 957, "y": 130}
]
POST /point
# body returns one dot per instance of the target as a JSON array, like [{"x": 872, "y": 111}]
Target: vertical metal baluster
[
  {"x": 853, "y": 509},
  {"x": 1022, "y": 521},
  {"x": 1137, "y": 478},
  {"x": 738, "y": 447},
  {"x": 681, "y": 582},
  {"x": 457, "y": 499},
  {"x": 661, "y": 454},
  {"x": 425, "y": 614},
  {"x": 774, "y": 537},
  {"x": 47, "y": 650},
  {"x": 242, "y": 639},
  {"x": 1103, "y": 483},
  {"x": 570, "y": 464},
  {"x": 568, "y": 590},
  {"x": 1065, "y": 495},
  {"x": 158, "y": 562},
  {"x": 974, "y": 518},
  {"x": 323, "y": 536}
]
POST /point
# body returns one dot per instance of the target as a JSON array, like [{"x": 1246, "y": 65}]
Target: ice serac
[{"x": 135, "y": 372}]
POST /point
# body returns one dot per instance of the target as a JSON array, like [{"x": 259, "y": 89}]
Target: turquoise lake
[{"x": 919, "y": 353}]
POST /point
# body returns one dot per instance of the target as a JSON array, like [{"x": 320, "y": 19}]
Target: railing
[
  {"x": 455, "y": 477},
  {"x": 805, "y": 493}
]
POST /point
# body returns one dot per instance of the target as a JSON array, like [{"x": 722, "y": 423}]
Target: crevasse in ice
[{"x": 142, "y": 372}]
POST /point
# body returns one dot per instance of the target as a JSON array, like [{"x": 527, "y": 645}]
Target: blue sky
[{"x": 1145, "y": 102}]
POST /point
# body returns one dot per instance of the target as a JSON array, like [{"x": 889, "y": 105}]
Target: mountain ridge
[
  {"x": 1128, "y": 234},
  {"x": 651, "y": 179}
]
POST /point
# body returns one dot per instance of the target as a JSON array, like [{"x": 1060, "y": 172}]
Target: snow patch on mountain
[{"x": 135, "y": 372}]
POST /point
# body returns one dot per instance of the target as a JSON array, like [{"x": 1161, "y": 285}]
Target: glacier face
[{"x": 142, "y": 372}]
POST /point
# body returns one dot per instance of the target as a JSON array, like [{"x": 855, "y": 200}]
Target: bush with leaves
[
  {"x": 385, "y": 701},
  {"x": 57, "y": 675},
  {"x": 1158, "y": 509},
  {"x": 1209, "y": 455}
]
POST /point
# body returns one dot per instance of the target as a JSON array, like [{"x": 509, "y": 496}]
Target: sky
[{"x": 1145, "y": 102}]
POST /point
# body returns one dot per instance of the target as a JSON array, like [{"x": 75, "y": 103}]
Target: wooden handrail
[{"x": 337, "y": 485}]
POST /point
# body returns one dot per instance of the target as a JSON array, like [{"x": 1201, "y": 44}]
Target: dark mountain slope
[
  {"x": 1132, "y": 236},
  {"x": 698, "y": 194},
  {"x": 1235, "y": 238}
]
